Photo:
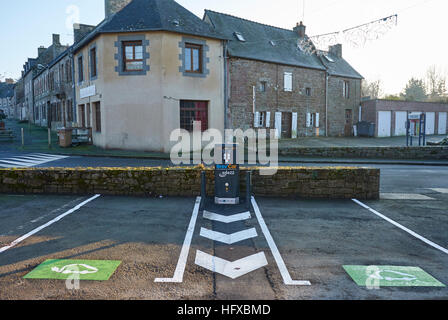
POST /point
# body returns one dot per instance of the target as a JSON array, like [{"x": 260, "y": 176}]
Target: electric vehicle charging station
[{"x": 227, "y": 176}]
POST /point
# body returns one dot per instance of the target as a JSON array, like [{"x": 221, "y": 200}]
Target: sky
[{"x": 407, "y": 50}]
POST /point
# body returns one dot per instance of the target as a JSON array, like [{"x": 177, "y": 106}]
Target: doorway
[
  {"x": 348, "y": 130},
  {"x": 286, "y": 125}
]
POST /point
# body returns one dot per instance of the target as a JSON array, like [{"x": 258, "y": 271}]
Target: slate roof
[
  {"x": 153, "y": 15},
  {"x": 258, "y": 47},
  {"x": 340, "y": 67}
]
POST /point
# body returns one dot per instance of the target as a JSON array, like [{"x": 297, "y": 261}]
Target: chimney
[
  {"x": 336, "y": 50},
  {"x": 41, "y": 50},
  {"x": 81, "y": 30},
  {"x": 56, "y": 39},
  {"x": 113, "y": 6},
  {"x": 9, "y": 81},
  {"x": 300, "y": 29}
]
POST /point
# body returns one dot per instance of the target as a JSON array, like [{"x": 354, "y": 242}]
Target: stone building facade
[{"x": 274, "y": 82}]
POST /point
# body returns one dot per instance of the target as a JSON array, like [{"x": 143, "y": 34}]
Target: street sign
[
  {"x": 391, "y": 276},
  {"x": 97, "y": 270}
]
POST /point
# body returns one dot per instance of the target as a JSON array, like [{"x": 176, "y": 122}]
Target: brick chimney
[
  {"x": 300, "y": 29},
  {"x": 41, "y": 50},
  {"x": 113, "y": 6},
  {"x": 56, "y": 39},
  {"x": 80, "y": 30},
  {"x": 336, "y": 50}
]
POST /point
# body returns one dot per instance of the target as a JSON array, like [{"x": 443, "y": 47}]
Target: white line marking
[
  {"x": 16, "y": 163},
  {"x": 16, "y": 242},
  {"x": 277, "y": 256},
  {"x": 227, "y": 219},
  {"x": 404, "y": 196},
  {"x": 229, "y": 269},
  {"x": 181, "y": 264},
  {"x": 229, "y": 238},
  {"x": 416, "y": 235},
  {"x": 440, "y": 190}
]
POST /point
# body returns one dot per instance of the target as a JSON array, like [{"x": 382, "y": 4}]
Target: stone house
[
  {"x": 54, "y": 92},
  {"x": 32, "y": 68},
  {"x": 7, "y": 97},
  {"x": 275, "y": 83},
  {"x": 149, "y": 68}
]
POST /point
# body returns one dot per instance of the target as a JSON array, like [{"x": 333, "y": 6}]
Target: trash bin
[
  {"x": 365, "y": 129},
  {"x": 65, "y": 137}
]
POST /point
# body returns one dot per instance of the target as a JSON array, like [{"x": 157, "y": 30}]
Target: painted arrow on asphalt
[
  {"x": 227, "y": 219},
  {"x": 229, "y": 269},
  {"x": 229, "y": 238}
]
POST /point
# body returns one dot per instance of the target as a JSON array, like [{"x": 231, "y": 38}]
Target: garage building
[{"x": 390, "y": 116}]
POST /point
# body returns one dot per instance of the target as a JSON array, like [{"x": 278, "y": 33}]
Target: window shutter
[
  {"x": 257, "y": 120},
  {"x": 317, "y": 121},
  {"x": 288, "y": 81},
  {"x": 294, "y": 125},
  {"x": 268, "y": 119},
  {"x": 308, "y": 120}
]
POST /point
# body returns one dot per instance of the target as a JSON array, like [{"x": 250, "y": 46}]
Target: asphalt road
[{"x": 314, "y": 239}]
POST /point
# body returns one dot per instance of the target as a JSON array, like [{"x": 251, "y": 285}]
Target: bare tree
[
  {"x": 373, "y": 89},
  {"x": 435, "y": 84}
]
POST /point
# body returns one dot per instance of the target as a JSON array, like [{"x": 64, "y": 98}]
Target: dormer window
[
  {"x": 272, "y": 42},
  {"x": 240, "y": 37}
]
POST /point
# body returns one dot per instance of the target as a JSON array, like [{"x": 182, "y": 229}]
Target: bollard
[
  {"x": 248, "y": 189},
  {"x": 203, "y": 189},
  {"x": 23, "y": 138},
  {"x": 49, "y": 138}
]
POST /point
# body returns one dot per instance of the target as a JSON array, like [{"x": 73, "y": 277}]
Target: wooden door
[
  {"x": 286, "y": 125},
  {"x": 348, "y": 132}
]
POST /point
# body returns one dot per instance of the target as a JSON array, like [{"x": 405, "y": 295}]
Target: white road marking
[
  {"x": 404, "y": 196},
  {"x": 416, "y": 235},
  {"x": 181, "y": 264},
  {"x": 439, "y": 190},
  {"x": 29, "y": 160},
  {"x": 277, "y": 256},
  {"x": 227, "y": 219},
  {"x": 229, "y": 269},
  {"x": 229, "y": 238},
  {"x": 19, "y": 240}
]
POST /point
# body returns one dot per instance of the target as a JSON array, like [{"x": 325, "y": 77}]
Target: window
[
  {"x": 346, "y": 89},
  {"x": 240, "y": 37},
  {"x": 97, "y": 111},
  {"x": 288, "y": 81},
  {"x": 132, "y": 56},
  {"x": 80, "y": 69},
  {"x": 261, "y": 119},
  {"x": 308, "y": 92},
  {"x": 93, "y": 64},
  {"x": 193, "y": 58},
  {"x": 191, "y": 111},
  {"x": 263, "y": 86},
  {"x": 69, "y": 111}
]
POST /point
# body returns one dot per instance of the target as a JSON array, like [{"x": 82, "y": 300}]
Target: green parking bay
[
  {"x": 95, "y": 270},
  {"x": 391, "y": 276}
]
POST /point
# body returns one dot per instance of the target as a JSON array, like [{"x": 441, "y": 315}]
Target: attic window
[
  {"x": 272, "y": 43},
  {"x": 176, "y": 23},
  {"x": 240, "y": 37},
  {"x": 328, "y": 58}
]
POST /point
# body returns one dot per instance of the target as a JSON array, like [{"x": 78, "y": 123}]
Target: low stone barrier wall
[
  {"x": 309, "y": 183},
  {"x": 399, "y": 153}
]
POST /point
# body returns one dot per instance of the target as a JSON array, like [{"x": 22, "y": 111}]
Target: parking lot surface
[{"x": 314, "y": 239}]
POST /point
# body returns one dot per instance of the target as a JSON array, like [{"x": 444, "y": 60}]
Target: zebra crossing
[{"x": 29, "y": 160}]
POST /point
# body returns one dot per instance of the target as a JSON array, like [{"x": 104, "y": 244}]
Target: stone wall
[
  {"x": 399, "y": 153},
  {"x": 308, "y": 183}
]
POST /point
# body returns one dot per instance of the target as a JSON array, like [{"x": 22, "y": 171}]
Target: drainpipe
[
  {"x": 72, "y": 58},
  {"x": 226, "y": 85},
  {"x": 327, "y": 77}
]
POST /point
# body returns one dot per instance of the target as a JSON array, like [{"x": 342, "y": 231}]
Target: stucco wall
[{"x": 139, "y": 112}]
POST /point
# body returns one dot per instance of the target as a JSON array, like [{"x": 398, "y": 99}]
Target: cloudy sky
[{"x": 407, "y": 50}]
